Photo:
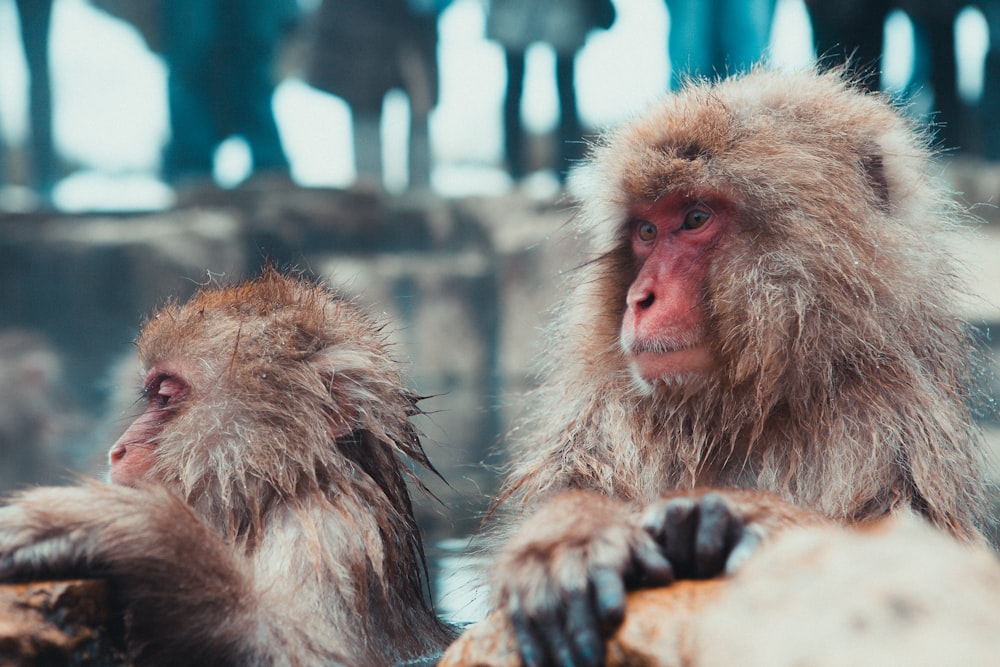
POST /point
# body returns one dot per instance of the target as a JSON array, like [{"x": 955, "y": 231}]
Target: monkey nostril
[
  {"x": 640, "y": 303},
  {"x": 640, "y": 299}
]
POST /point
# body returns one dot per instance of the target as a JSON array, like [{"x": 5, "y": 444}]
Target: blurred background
[
  {"x": 414, "y": 152},
  {"x": 88, "y": 105}
]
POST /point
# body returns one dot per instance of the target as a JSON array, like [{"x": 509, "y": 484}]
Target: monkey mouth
[
  {"x": 666, "y": 360},
  {"x": 635, "y": 344},
  {"x": 639, "y": 347}
]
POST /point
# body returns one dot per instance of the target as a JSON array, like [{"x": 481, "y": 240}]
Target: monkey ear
[
  {"x": 874, "y": 168},
  {"x": 344, "y": 404}
]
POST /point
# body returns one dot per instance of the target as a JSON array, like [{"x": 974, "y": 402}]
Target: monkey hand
[
  {"x": 714, "y": 532},
  {"x": 562, "y": 578},
  {"x": 702, "y": 536}
]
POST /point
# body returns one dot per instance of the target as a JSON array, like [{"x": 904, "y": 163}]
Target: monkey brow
[{"x": 701, "y": 202}]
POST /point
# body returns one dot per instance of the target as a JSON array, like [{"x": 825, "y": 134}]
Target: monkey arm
[{"x": 170, "y": 567}]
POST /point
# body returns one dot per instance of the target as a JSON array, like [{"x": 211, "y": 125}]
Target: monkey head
[
  {"x": 749, "y": 233},
  {"x": 258, "y": 391}
]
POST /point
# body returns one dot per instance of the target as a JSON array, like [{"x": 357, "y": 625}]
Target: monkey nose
[
  {"x": 117, "y": 453},
  {"x": 640, "y": 299}
]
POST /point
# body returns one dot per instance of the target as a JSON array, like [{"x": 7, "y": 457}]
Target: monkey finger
[
  {"x": 531, "y": 650},
  {"x": 584, "y": 631},
  {"x": 672, "y": 524},
  {"x": 560, "y": 647},
  {"x": 651, "y": 566},
  {"x": 711, "y": 541},
  {"x": 530, "y": 643},
  {"x": 749, "y": 541},
  {"x": 662, "y": 519},
  {"x": 608, "y": 592},
  {"x": 547, "y": 639}
]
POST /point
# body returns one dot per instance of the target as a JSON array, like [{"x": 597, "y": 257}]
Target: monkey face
[
  {"x": 664, "y": 331},
  {"x": 132, "y": 457}
]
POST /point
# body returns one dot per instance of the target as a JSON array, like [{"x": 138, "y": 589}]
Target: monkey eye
[
  {"x": 696, "y": 218},
  {"x": 163, "y": 390},
  {"x": 645, "y": 230}
]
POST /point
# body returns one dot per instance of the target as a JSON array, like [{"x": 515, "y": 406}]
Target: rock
[
  {"x": 55, "y": 624},
  {"x": 657, "y": 631},
  {"x": 899, "y": 593}
]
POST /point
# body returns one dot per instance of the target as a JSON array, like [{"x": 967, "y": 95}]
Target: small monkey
[
  {"x": 37, "y": 413},
  {"x": 761, "y": 335},
  {"x": 258, "y": 511}
]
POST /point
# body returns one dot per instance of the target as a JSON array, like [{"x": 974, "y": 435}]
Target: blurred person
[
  {"x": 564, "y": 25},
  {"x": 220, "y": 57},
  {"x": 851, "y": 30},
  {"x": 855, "y": 30},
  {"x": 709, "y": 37},
  {"x": 989, "y": 102},
  {"x": 35, "y": 20},
  {"x": 935, "y": 67},
  {"x": 359, "y": 50}
]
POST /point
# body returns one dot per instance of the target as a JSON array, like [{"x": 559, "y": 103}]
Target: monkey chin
[{"x": 672, "y": 368}]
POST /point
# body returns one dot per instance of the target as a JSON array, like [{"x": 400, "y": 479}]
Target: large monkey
[
  {"x": 259, "y": 513},
  {"x": 765, "y": 324}
]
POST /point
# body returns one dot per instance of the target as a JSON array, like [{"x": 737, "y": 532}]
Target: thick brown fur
[
  {"x": 844, "y": 378},
  {"x": 276, "y": 527}
]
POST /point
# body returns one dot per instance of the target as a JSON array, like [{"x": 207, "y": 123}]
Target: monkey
[
  {"x": 258, "y": 511},
  {"x": 38, "y": 414},
  {"x": 760, "y": 335}
]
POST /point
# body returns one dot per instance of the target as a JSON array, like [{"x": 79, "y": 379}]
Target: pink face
[
  {"x": 133, "y": 455},
  {"x": 664, "y": 330}
]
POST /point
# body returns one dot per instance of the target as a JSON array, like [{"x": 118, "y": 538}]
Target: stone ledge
[{"x": 59, "y": 623}]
